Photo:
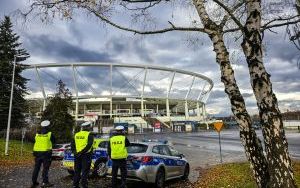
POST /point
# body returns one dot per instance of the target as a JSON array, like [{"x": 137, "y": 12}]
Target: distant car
[
  {"x": 99, "y": 158},
  {"x": 154, "y": 162},
  {"x": 58, "y": 151}
]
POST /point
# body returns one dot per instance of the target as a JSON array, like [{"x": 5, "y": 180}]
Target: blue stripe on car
[{"x": 135, "y": 164}]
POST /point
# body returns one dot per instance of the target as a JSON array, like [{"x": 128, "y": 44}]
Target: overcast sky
[{"x": 84, "y": 38}]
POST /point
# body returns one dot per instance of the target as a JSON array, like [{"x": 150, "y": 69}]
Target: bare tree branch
[
  {"x": 151, "y": 4},
  {"x": 172, "y": 28},
  {"x": 231, "y": 11},
  {"x": 280, "y": 19},
  {"x": 280, "y": 24}
]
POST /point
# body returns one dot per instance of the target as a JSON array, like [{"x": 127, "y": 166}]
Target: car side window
[
  {"x": 164, "y": 150},
  {"x": 155, "y": 150},
  {"x": 173, "y": 151}
]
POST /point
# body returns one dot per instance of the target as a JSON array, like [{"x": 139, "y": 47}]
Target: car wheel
[
  {"x": 186, "y": 172},
  {"x": 160, "y": 178},
  {"x": 71, "y": 172},
  {"x": 100, "y": 170}
]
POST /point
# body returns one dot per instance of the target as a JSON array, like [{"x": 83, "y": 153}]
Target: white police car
[
  {"x": 154, "y": 162},
  {"x": 99, "y": 158}
]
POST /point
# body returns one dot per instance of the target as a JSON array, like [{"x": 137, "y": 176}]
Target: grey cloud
[
  {"x": 278, "y": 46},
  {"x": 119, "y": 46},
  {"x": 62, "y": 50}
]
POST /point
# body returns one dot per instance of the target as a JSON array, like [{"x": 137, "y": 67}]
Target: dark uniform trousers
[
  {"x": 116, "y": 164},
  {"x": 82, "y": 167},
  {"x": 45, "y": 159}
]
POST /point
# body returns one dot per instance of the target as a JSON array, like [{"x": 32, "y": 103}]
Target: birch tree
[{"x": 243, "y": 17}]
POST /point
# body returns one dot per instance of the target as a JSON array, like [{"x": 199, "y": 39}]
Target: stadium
[{"x": 141, "y": 97}]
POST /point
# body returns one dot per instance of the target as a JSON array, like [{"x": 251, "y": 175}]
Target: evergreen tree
[
  {"x": 9, "y": 48},
  {"x": 57, "y": 113}
]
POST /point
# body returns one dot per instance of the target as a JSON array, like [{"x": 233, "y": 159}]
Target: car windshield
[{"x": 137, "y": 148}]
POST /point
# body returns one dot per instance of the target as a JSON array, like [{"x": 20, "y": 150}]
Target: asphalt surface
[{"x": 201, "y": 149}]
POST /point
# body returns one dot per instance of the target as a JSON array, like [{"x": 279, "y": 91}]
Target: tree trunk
[
  {"x": 250, "y": 141},
  {"x": 279, "y": 163}
]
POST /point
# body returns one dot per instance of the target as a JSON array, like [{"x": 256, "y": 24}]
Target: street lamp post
[{"x": 10, "y": 106}]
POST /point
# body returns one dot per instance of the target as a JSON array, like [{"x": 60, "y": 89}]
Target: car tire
[
  {"x": 71, "y": 172},
  {"x": 186, "y": 172},
  {"x": 160, "y": 178},
  {"x": 100, "y": 170}
]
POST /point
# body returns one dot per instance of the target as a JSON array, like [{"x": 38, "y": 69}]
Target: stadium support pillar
[
  {"x": 101, "y": 108},
  {"x": 142, "y": 107},
  {"x": 186, "y": 110},
  {"x": 168, "y": 108},
  {"x": 76, "y": 92},
  {"x": 42, "y": 87},
  {"x": 157, "y": 108},
  {"x": 131, "y": 109},
  {"x": 168, "y": 94},
  {"x": 198, "y": 111},
  {"x": 142, "y": 95},
  {"x": 84, "y": 109}
]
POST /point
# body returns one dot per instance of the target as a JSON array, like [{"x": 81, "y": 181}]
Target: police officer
[
  {"x": 118, "y": 153},
  {"x": 82, "y": 147},
  {"x": 42, "y": 151}
]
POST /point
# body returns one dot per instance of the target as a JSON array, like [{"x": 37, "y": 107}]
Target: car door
[
  {"x": 169, "y": 161},
  {"x": 103, "y": 149},
  {"x": 178, "y": 163}
]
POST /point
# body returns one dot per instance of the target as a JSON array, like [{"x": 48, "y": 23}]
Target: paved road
[{"x": 201, "y": 149}]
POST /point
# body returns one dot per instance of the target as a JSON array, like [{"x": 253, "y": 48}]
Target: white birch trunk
[
  {"x": 279, "y": 163},
  {"x": 250, "y": 141}
]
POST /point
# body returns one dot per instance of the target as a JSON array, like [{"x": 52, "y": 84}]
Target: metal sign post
[
  {"x": 218, "y": 126},
  {"x": 220, "y": 147}
]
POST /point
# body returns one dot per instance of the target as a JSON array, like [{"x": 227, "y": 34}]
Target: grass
[
  {"x": 15, "y": 156},
  {"x": 237, "y": 175}
]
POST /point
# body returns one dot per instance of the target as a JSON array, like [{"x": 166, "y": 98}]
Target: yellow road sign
[{"x": 218, "y": 126}]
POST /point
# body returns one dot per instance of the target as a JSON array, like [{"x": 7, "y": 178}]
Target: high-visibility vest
[
  {"x": 118, "y": 149},
  {"x": 81, "y": 140},
  {"x": 42, "y": 142},
  {"x": 97, "y": 141}
]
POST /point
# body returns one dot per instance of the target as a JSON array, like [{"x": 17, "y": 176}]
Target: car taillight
[{"x": 146, "y": 159}]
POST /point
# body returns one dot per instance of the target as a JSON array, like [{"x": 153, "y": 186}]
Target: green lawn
[
  {"x": 15, "y": 156},
  {"x": 237, "y": 175}
]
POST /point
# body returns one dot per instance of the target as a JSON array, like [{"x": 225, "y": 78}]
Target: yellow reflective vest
[
  {"x": 81, "y": 140},
  {"x": 117, "y": 146},
  {"x": 42, "y": 142},
  {"x": 97, "y": 141}
]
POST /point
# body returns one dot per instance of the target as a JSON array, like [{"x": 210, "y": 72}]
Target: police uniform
[
  {"x": 118, "y": 153},
  {"x": 82, "y": 147},
  {"x": 42, "y": 150}
]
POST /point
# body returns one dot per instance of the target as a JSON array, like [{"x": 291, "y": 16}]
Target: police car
[
  {"x": 154, "y": 162},
  {"x": 99, "y": 158}
]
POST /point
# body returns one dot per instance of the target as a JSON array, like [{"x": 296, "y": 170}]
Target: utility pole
[{"x": 10, "y": 106}]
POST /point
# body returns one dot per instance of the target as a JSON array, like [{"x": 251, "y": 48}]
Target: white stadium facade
[{"x": 143, "y": 96}]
